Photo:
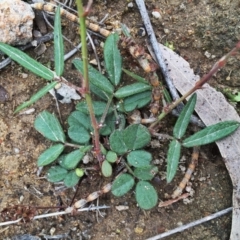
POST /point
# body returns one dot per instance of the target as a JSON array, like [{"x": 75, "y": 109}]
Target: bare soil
[{"x": 194, "y": 28}]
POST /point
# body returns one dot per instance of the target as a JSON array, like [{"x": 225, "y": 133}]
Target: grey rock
[{"x": 16, "y": 22}]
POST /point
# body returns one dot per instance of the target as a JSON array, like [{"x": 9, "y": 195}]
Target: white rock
[
  {"x": 16, "y": 22},
  {"x": 156, "y": 14},
  {"x": 130, "y": 5}
]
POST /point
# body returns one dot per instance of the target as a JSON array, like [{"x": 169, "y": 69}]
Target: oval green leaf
[
  {"x": 78, "y": 118},
  {"x": 71, "y": 179},
  {"x": 113, "y": 59},
  {"x": 211, "y": 133},
  {"x": 36, "y": 96},
  {"x": 131, "y": 89},
  {"x": 29, "y": 63},
  {"x": 146, "y": 195},
  {"x": 56, "y": 174},
  {"x": 79, "y": 134},
  {"x": 117, "y": 143},
  {"x": 138, "y": 100},
  {"x": 173, "y": 157},
  {"x": 106, "y": 169},
  {"x": 184, "y": 117},
  {"x": 139, "y": 158},
  {"x": 71, "y": 160},
  {"x": 145, "y": 173},
  {"x": 58, "y": 44},
  {"x": 122, "y": 184},
  {"x": 95, "y": 77},
  {"x": 49, "y": 126},
  {"x": 111, "y": 157},
  {"x": 50, "y": 155},
  {"x": 136, "y": 136}
]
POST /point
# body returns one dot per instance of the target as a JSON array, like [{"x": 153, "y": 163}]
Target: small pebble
[
  {"x": 130, "y": 5},
  {"x": 138, "y": 230},
  {"x": 201, "y": 179},
  {"x": 207, "y": 54},
  {"x": 3, "y": 94},
  {"x": 93, "y": 62},
  {"x": 166, "y": 30},
  {"x": 24, "y": 75},
  {"x": 156, "y": 14},
  {"x": 122, "y": 208},
  {"x": 16, "y": 150},
  {"x": 141, "y": 32},
  {"x": 190, "y": 32},
  {"x": 21, "y": 198},
  {"x": 52, "y": 231}
]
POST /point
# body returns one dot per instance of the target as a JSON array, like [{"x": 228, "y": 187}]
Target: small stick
[
  {"x": 188, "y": 173},
  {"x": 52, "y": 8},
  {"x": 192, "y": 224},
  {"x": 155, "y": 46},
  {"x": 171, "y": 201},
  {"x": 54, "y": 214}
]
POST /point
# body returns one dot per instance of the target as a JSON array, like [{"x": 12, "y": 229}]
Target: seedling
[{"x": 93, "y": 119}]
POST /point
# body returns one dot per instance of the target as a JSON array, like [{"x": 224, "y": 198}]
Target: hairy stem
[{"x": 83, "y": 35}]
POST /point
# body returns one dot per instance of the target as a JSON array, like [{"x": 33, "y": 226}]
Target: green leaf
[
  {"x": 145, "y": 173},
  {"x": 111, "y": 157},
  {"x": 173, "y": 157},
  {"x": 58, "y": 44},
  {"x": 49, "y": 126},
  {"x": 71, "y": 179},
  {"x": 103, "y": 150},
  {"x": 95, "y": 77},
  {"x": 50, "y": 155},
  {"x": 98, "y": 107},
  {"x": 113, "y": 59},
  {"x": 80, "y": 119},
  {"x": 98, "y": 92},
  {"x": 71, "y": 160},
  {"x": 138, "y": 100},
  {"x": 109, "y": 125},
  {"x": 79, "y": 134},
  {"x": 146, "y": 195},
  {"x": 131, "y": 89},
  {"x": 136, "y": 136},
  {"x": 29, "y": 63},
  {"x": 211, "y": 133},
  {"x": 135, "y": 76},
  {"x": 139, "y": 158},
  {"x": 117, "y": 143},
  {"x": 122, "y": 184},
  {"x": 36, "y": 96},
  {"x": 56, "y": 174},
  {"x": 232, "y": 97},
  {"x": 106, "y": 169},
  {"x": 184, "y": 117}
]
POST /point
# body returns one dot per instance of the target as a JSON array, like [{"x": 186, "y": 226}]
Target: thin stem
[
  {"x": 129, "y": 169},
  {"x": 83, "y": 35},
  {"x": 72, "y": 145}
]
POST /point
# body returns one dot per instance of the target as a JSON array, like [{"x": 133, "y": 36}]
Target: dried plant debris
[{"x": 212, "y": 107}]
